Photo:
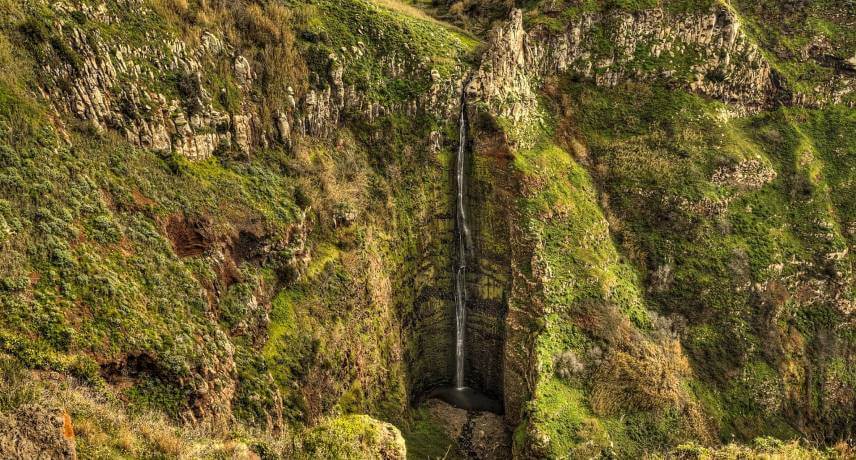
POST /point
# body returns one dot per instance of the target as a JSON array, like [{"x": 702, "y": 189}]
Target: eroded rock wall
[
  {"x": 490, "y": 195},
  {"x": 123, "y": 86},
  {"x": 708, "y": 54}
]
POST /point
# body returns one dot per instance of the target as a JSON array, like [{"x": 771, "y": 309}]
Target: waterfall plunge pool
[{"x": 467, "y": 398}]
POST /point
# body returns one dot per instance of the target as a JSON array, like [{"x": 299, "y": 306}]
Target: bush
[
  {"x": 353, "y": 436},
  {"x": 86, "y": 369},
  {"x": 260, "y": 27},
  {"x": 568, "y": 365},
  {"x": 16, "y": 386}
]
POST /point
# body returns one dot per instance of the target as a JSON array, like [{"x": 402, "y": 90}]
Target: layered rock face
[
  {"x": 489, "y": 196},
  {"x": 504, "y": 298},
  {"x": 426, "y": 295},
  {"x": 708, "y": 54},
  {"x": 116, "y": 85}
]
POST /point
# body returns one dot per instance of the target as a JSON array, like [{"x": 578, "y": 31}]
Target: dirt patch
[
  {"x": 67, "y": 426},
  {"x": 142, "y": 200},
  {"x": 124, "y": 372},
  {"x": 187, "y": 235}
]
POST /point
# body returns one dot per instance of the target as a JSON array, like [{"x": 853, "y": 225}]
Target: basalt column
[
  {"x": 489, "y": 273},
  {"x": 424, "y": 299},
  {"x": 424, "y": 282}
]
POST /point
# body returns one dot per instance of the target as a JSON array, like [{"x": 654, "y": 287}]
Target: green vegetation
[
  {"x": 598, "y": 347},
  {"x": 805, "y": 41},
  {"x": 103, "y": 428},
  {"x": 372, "y": 39},
  {"x": 554, "y": 13},
  {"x": 89, "y": 267},
  {"x": 684, "y": 276},
  {"x": 761, "y": 448},
  {"x": 268, "y": 287},
  {"x": 354, "y": 436},
  {"x": 427, "y": 438},
  {"x": 693, "y": 223},
  {"x": 706, "y": 208}
]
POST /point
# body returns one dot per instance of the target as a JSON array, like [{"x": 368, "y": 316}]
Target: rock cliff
[
  {"x": 117, "y": 84},
  {"x": 568, "y": 340},
  {"x": 227, "y": 228},
  {"x": 708, "y": 54}
]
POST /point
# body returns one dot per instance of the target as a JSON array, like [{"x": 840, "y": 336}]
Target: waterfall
[
  {"x": 459, "y": 395},
  {"x": 463, "y": 245}
]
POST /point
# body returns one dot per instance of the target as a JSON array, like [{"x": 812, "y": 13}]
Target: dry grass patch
[
  {"x": 408, "y": 10},
  {"x": 649, "y": 380},
  {"x": 416, "y": 13}
]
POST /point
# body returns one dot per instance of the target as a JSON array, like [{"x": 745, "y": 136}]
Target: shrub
[
  {"x": 103, "y": 230},
  {"x": 16, "y": 387},
  {"x": 353, "y": 436},
  {"x": 568, "y": 365},
  {"x": 260, "y": 27},
  {"x": 86, "y": 369}
]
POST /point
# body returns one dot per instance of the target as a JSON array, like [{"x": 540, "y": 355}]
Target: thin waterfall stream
[{"x": 463, "y": 244}]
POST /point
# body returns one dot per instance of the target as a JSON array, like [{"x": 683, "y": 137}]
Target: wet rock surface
[
  {"x": 479, "y": 435},
  {"x": 468, "y": 399}
]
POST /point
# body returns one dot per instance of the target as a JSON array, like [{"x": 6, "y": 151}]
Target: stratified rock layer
[{"x": 708, "y": 54}]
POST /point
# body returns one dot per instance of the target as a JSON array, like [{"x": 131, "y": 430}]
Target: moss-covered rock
[{"x": 353, "y": 436}]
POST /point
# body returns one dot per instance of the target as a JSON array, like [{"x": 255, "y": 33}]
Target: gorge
[{"x": 427, "y": 229}]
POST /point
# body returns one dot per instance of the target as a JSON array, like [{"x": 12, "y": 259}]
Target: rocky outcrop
[
  {"x": 111, "y": 85},
  {"x": 747, "y": 174},
  {"x": 35, "y": 432},
  {"x": 122, "y": 86},
  {"x": 707, "y": 54},
  {"x": 478, "y": 435},
  {"x": 212, "y": 384},
  {"x": 353, "y": 436}
]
